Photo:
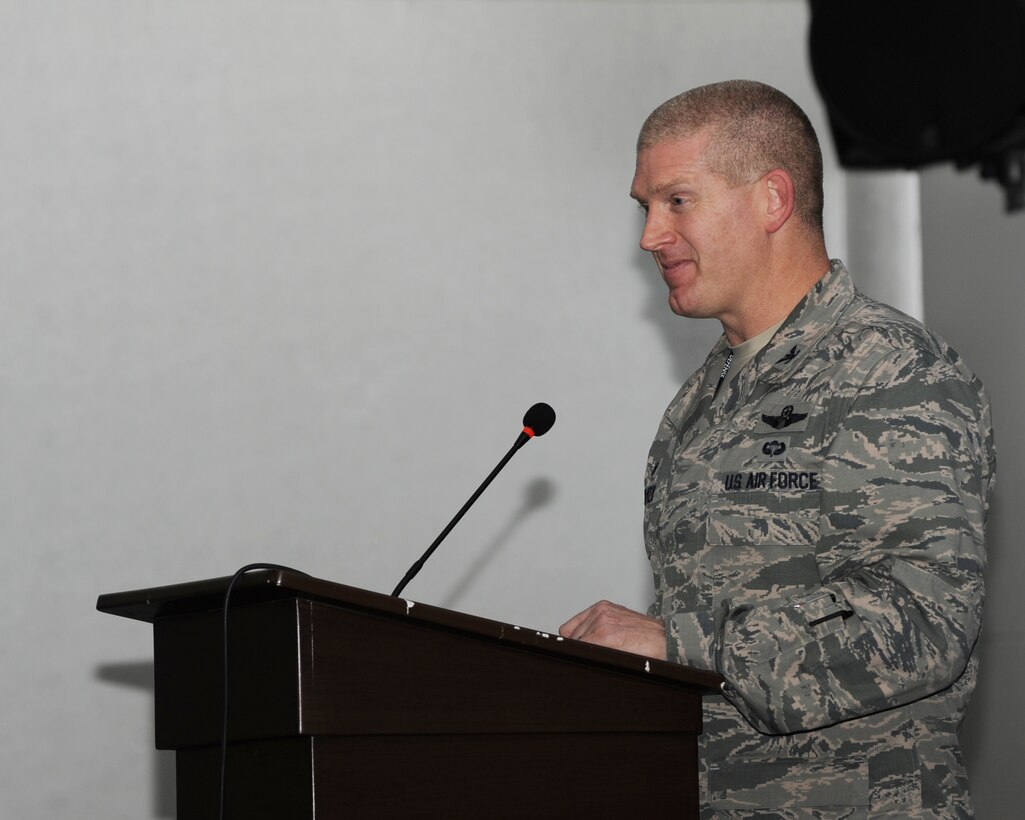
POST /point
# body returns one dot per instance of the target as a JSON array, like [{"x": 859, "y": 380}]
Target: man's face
[{"x": 702, "y": 232}]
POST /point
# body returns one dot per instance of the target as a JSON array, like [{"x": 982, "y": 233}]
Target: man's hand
[{"x": 618, "y": 627}]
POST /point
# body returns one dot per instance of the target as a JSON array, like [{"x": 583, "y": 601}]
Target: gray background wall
[
  {"x": 279, "y": 279},
  {"x": 974, "y": 261}
]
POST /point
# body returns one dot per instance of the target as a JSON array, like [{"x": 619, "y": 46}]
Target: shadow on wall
[
  {"x": 139, "y": 675},
  {"x": 687, "y": 340},
  {"x": 538, "y": 493}
]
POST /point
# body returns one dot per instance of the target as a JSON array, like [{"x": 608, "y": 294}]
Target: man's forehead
[{"x": 666, "y": 164}]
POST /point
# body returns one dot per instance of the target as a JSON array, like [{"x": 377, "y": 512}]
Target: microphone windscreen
[{"x": 539, "y": 418}]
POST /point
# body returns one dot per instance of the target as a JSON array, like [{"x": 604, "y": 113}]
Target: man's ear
[{"x": 778, "y": 188}]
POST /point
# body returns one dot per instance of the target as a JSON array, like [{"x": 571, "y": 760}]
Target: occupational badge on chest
[{"x": 788, "y": 417}]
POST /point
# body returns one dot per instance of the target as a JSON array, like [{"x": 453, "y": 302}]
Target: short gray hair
[{"x": 754, "y": 129}]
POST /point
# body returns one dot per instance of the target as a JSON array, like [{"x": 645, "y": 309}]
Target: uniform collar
[{"x": 819, "y": 311}]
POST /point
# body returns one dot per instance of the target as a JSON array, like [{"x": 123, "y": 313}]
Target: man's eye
[
  {"x": 677, "y": 201},
  {"x": 643, "y": 208}
]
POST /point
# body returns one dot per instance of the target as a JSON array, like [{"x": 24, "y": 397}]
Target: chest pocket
[{"x": 757, "y": 572}]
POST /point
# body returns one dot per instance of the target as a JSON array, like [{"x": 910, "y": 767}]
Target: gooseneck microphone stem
[
  {"x": 522, "y": 439},
  {"x": 537, "y": 421}
]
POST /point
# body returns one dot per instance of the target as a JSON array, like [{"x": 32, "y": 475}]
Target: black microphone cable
[{"x": 224, "y": 726}]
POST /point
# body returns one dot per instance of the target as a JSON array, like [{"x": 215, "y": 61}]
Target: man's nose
[{"x": 655, "y": 234}]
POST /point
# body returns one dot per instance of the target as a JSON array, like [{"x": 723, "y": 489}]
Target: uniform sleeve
[{"x": 900, "y": 553}]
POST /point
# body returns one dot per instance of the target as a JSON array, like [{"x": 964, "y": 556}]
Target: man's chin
[{"x": 681, "y": 308}]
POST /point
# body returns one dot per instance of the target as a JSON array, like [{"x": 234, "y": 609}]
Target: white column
[{"x": 884, "y": 237}]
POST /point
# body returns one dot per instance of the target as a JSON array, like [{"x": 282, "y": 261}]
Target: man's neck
[{"x": 785, "y": 284}]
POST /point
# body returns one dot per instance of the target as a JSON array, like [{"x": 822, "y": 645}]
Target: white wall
[{"x": 279, "y": 279}]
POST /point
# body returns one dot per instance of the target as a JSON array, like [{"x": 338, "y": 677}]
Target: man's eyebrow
[
  {"x": 663, "y": 187},
  {"x": 675, "y": 182}
]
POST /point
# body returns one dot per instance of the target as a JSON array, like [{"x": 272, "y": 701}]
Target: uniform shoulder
[
  {"x": 884, "y": 330},
  {"x": 900, "y": 356}
]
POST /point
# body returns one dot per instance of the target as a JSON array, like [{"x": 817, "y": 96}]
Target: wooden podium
[{"x": 345, "y": 703}]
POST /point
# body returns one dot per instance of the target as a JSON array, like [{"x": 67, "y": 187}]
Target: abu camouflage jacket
[{"x": 816, "y": 535}]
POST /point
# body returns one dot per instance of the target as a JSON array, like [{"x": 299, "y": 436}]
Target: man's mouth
[{"x": 673, "y": 267}]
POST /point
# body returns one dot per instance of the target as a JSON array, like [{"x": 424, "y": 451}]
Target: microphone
[{"x": 537, "y": 421}]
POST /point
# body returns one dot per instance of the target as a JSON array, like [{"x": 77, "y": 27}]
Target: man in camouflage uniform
[{"x": 814, "y": 515}]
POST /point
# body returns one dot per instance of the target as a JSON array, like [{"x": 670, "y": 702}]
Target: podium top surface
[{"x": 269, "y": 585}]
